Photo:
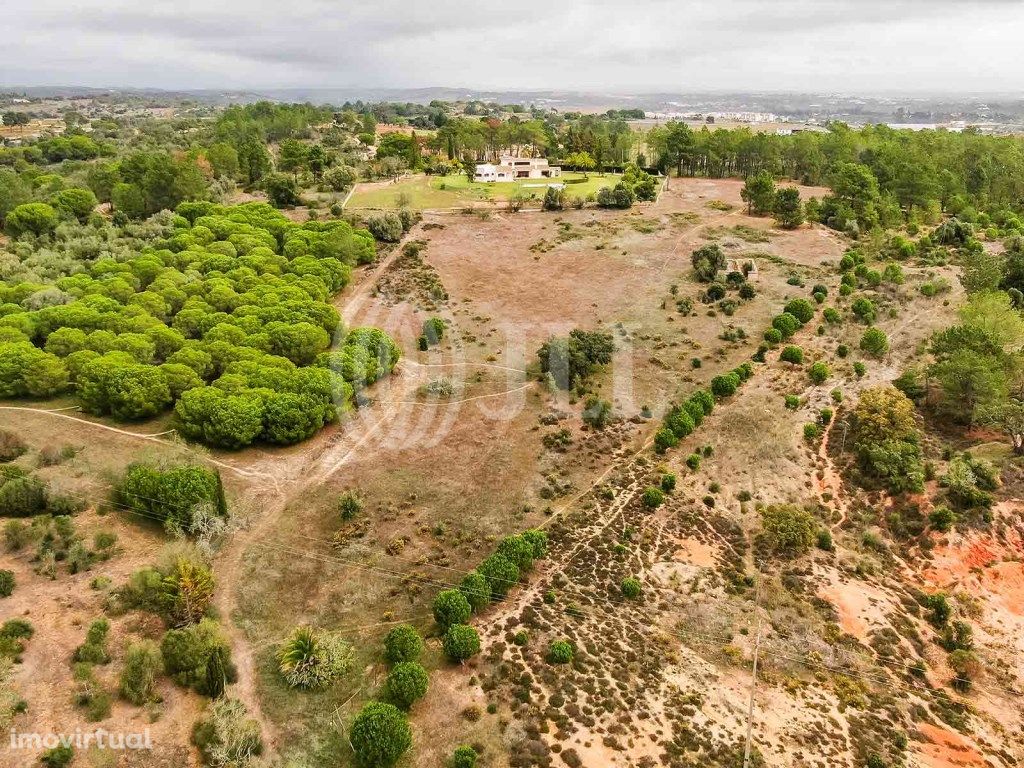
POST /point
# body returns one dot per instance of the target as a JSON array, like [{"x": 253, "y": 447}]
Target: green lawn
[{"x": 455, "y": 190}]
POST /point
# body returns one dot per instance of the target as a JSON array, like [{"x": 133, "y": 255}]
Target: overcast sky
[{"x": 866, "y": 46}]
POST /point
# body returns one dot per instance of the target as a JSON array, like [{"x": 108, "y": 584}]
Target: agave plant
[{"x": 311, "y": 659}]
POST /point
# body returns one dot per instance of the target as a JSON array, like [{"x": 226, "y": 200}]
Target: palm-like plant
[{"x": 311, "y": 659}]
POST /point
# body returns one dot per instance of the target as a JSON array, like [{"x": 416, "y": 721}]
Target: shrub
[
  {"x": 379, "y": 735},
  {"x": 501, "y": 574},
  {"x": 58, "y": 757},
  {"x": 630, "y": 587},
  {"x": 451, "y": 607},
  {"x": 811, "y": 431},
  {"x": 464, "y": 756},
  {"x": 785, "y": 324},
  {"x": 460, "y": 642},
  {"x": 406, "y": 683},
  {"x": 312, "y": 660},
  {"x": 477, "y": 591},
  {"x": 596, "y": 412},
  {"x": 773, "y": 336},
  {"x": 874, "y": 342},
  {"x": 705, "y": 399},
  {"x": 403, "y": 643},
  {"x": 693, "y": 461},
  {"x": 832, "y": 316},
  {"x": 801, "y": 309},
  {"x": 226, "y": 737},
  {"x": 680, "y": 422},
  {"x": 792, "y": 354},
  {"x": 895, "y": 462},
  {"x": 173, "y": 494},
  {"x": 664, "y": 439},
  {"x": 560, "y": 652},
  {"x": 859, "y": 369},
  {"x": 792, "y": 402},
  {"x": 386, "y": 227},
  {"x": 788, "y": 529},
  {"x": 433, "y": 330},
  {"x": 825, "y": 416},
  {"x": 668, "y": 482},
  {"x": 725, "y": 385},
  {"x": 350, "y": 505},
  {"x": 142, "y": 664},
  {"x": 819, "y": 372},
  {"x": 942, "y": 519},
  {"x": 7, "y": 583},
  {"x": 864, "y": 309},
  {"x": 11, "y": 446},
  {"x": 94, "y": 650},
  {"x": 653, "y": 497}
]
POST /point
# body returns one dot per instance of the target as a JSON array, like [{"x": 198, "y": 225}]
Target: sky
[{"x": 625, "y": 46}]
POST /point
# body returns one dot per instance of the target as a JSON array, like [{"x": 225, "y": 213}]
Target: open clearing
[{"x": 429, "y": 192}]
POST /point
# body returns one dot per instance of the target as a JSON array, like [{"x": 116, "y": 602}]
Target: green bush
[
  {"x": 693, "y": 461},
  {"x": 58, "y": 757},
  {"x": 451, "y": 607},
  {"x": 313, "y": 660},
  {"x": 142, "y": 664},
  {"x": 819, "y": 372},
  {"x": 406, "y": 683},
  {"x": 464, "y": 756},
  {"x": 379, "y": 735},
  {"x": 460, "y": 642},
  {"x": 477, "y": 590},
  {"x": 664, "y": 439},
  {"x": 653, "y": 497},
  {"x": 560, "y": 652},
  {"x": 792, "y": 402},
  {"x": 792, "y": 354},
  {"x": 812, "y": 431},
  {"x": 668, "y": 482},
  {"x": 7, "y": 583},
  {"x": 725, "y": 385},
  {"x": 631, "y": 588},
  {"x": 874, "y": 342},
  {"x": 788, "y": 529},
  {"x": 94, "y": 650},
  {"x": 942, "y": 518},
  {"x": 501, "y": 574},
  {"x": 403, "y": 643},
  {"x": 801, "y": 309}
]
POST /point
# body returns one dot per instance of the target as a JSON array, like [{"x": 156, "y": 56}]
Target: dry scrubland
[{"x": 443, "y": 477}]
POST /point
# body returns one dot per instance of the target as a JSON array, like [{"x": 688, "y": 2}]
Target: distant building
[{"x": 510, "y": 168}]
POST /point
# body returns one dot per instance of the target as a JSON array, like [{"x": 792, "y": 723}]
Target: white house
[{"x": 511, "y": 168}]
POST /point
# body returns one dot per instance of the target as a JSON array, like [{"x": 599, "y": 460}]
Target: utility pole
[{"x": 753, "y": 681}]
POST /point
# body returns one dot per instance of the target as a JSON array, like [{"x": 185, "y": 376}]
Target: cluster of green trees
[
  {"x": 223, "y": 315},
  {"x": 173, "y": 495},
  {"x": 193, "y": 651},
  {"x": 681, "y": 420},
  {"x": 879, "y": 176},
  {"x": 569, "y": 361},
  {"x": 887, "y": 440},
  {"x": 636, "y": 184}
]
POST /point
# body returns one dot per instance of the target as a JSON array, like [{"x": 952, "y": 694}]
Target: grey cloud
[{"x": 639, "y": 45}]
